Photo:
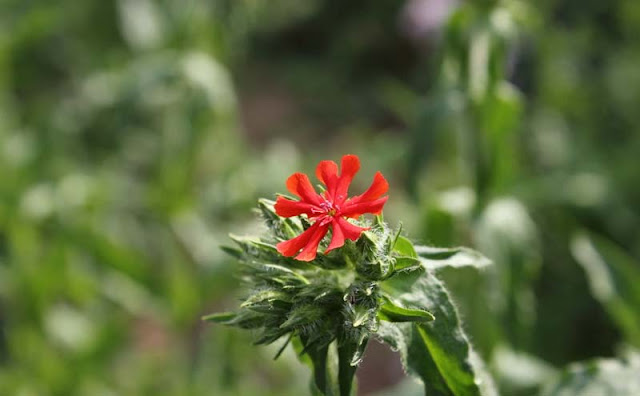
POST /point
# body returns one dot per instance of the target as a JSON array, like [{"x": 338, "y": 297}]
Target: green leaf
[
  {"x": 404, "y": 247},
  {"x": 407, "y": 263},
  {"x": 436, "y": 258},
  {"x": 393, "y": 312},
  {"x": 438, "y": 351},
  {"x": 302, "y": 315},
  {"x": 221, "y": 317},
  {"x": 268, "y": 335},
  {"x": 614, "y": 278},
  {"x": 245, "y": 319},
  {"x": 405, "y": 338},
  {"x": 270, "y": 302},
  {"x": 276, "y": 273},
  {"x": 284, "y": 228},
  {"x": 283, "y": 347},
  {"x": 231, "y": 251},
  {"x": 392, "y": 335},
  {"x": 617, "y": 377},
  {"x": 255, "y": 248}
]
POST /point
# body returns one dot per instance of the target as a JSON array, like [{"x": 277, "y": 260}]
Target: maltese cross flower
[{"x": 331, "y": 209}]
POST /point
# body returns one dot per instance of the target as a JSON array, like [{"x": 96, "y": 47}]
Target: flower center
[{"x": 329, "y": 208}]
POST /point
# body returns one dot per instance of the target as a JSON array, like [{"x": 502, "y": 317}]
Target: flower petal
[
  {"x": 299, "y": 184},
  {"x": 310, "y": 251},
  {"x": 358, "y": 209},
  {"x": 378, "y": 187},
  {"x": 349, "y": 167},
  {"x": 327, "y": 173},
  {"x": 287, "y": 208},
  {"x": 337, "y": 239},
  {"x": 292, "y": 246},
  {"x": 350, "y": 231}
]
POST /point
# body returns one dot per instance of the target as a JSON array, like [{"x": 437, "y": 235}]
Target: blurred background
[{"x": 136, "y": 134}]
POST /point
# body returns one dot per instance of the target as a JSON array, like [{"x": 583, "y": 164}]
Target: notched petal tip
[
  {"x": 379, "y": 186},
  {"x": 292, "y": 183},
  {"x": 354, "y": 210},
  {"x": 300, "y": 185},
  {"x": 350, "y": 165},
  {"x": 327, "y": 171}
]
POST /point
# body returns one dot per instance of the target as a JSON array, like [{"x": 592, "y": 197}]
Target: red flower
[{"x": 331, "y": 209}]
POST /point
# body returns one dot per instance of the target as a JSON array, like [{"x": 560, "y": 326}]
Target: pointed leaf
[
  {"x": 254, "y": 248},
  {"x": 405, "y": 338},
  {"x": 404, "y": 247},
  {"x": 221, "y": 317},
  {"x": 245, "y": 319},
  {"x": 436, "y": 258},
  {"x": 283, "y": 347},
  {"x": 392, "y": 312},
  {"x": 407, "y": 263},
  {"x": 438, "y": 351},
  {"x": 285, "y": 228},
  {"x": 233, "y": 252},
  {"x": 265, "y": 295}
]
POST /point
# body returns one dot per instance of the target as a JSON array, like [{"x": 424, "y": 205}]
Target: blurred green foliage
[{"x": 135, "y": 134}]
